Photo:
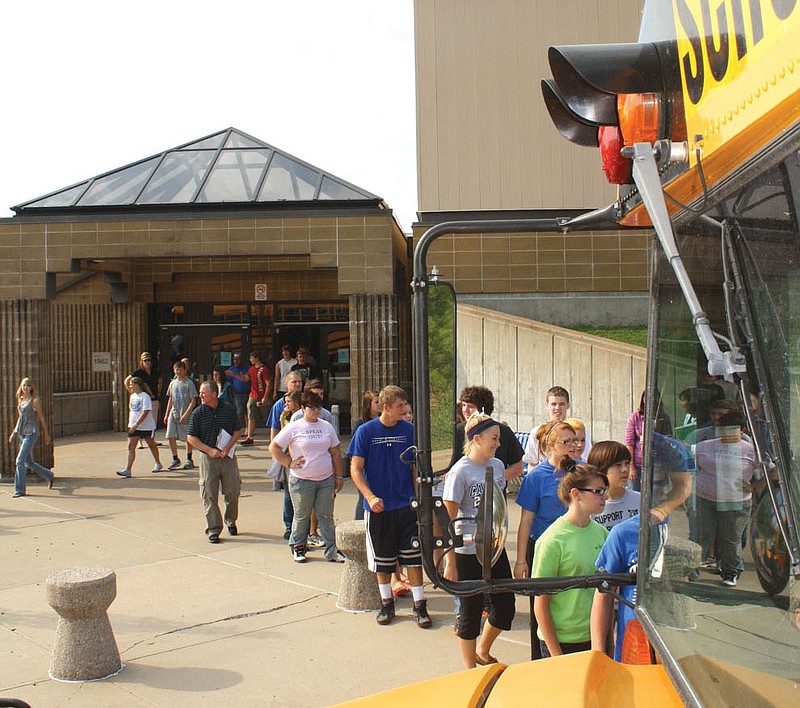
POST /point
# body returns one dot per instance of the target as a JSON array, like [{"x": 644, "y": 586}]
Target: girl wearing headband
[{"x": 463, "y": 489}]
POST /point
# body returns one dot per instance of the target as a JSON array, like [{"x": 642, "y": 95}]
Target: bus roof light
[{"x": 617, "y": 168}]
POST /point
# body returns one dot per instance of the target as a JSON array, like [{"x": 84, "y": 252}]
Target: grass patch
[{"x": 630, "y": 335}]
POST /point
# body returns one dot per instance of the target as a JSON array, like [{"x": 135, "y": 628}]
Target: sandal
[
  {"x": 481, "y": 662},
  {"x": 402, "y": 590}
]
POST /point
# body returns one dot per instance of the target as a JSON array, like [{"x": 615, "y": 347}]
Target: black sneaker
[
  {"x": 232, "y": 530},
  {"x": 421, "y": 616},
  {"x": 386, "y": 615}
]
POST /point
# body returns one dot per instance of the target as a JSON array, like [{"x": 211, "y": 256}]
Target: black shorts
[
  {"x": 389, "y": 536},
  {"x": 143, "y": 434},
  {"x": 502, "y": 605}
]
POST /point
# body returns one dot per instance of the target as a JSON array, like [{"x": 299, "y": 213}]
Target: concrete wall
[
  {"x": 519, "y": 360},
  {"x": 81, "y": 412},
  {"x": 569, "y": 309}
]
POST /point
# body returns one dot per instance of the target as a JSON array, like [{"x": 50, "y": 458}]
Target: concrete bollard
[
  {"x": 358, "y": 588},
  {"x": 84, "y": 647}
]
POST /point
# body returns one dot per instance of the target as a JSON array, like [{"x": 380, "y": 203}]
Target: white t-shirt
[
  {"x": 618, "y": 510},
  {"x": 285, "y": 367},
  {"x": 532, "y": 456},
  {"x": 312, "y": 441},
  {"x": 141, "y": 402}
]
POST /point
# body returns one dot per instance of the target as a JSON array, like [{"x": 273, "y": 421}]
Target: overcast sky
[{"x": 90, "y": 86}]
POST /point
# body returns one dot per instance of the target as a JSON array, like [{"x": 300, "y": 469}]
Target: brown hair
[
  {"x": 576, "y": 476},
  {"x": 559, "y": 391},
  {"x": 312, "y": 383},
  {"x": 546, "y": 434},
  {"x": 606, "y": 453},
  {"x": 391, "y": 394},
  {"x": 295, "y": 397},
  {"x": 142, "y": 385},
  {"x": 21, "y": 384},
  {"x": 479, "y": 396},
  {"x": 366, "y": 404},
  {"x": 311, "y": 399}
]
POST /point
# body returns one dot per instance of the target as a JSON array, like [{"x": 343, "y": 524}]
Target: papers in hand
[{"x": 224, "y": 439}]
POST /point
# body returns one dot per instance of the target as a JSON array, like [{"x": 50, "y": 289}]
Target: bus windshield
[{"x": 714, "y": 577}]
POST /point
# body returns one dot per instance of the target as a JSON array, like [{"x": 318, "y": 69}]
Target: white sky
[{"x": 90, "y": 86}]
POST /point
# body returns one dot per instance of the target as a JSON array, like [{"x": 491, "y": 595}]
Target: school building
[
  {"x": 487, "y": 149},
  {"x": 227, "y": 241}
]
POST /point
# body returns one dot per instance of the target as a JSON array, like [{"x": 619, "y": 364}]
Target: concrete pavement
[{"x": 238, "y": 623}]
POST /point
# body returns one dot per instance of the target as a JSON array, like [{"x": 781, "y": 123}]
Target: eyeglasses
[
  {"x": 567, "y": 442},
  {"x": 600, "y": 491}
]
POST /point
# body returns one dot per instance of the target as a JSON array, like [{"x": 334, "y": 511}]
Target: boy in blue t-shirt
[
  {"x": 387, "y": 484},
  {"x": 620, "y": 554}
]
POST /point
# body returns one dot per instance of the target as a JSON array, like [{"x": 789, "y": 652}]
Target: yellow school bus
[{"x": 699, "y": 125}]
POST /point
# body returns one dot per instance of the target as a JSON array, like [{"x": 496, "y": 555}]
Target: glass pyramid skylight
[{"x": 229, "y": 166}]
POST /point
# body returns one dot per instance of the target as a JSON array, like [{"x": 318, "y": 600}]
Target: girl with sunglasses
[{"x": 569, "y": 547}]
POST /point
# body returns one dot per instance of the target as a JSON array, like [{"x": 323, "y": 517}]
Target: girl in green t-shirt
[{"x": 570, "y": 547}]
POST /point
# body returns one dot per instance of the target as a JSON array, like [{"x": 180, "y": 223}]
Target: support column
[
  {"x": 128, "y": 340},
  {"x": 25, "y": 350},
  {"x": 374, "y": 344}
]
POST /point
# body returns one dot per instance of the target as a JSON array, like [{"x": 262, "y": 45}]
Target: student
[
  {"x": 181, "y": 401},
  {"x": 538, "y": 494},
  {"x": 557, "y": 404},
  {"x": 725, "y": 470},
  {"x": 30, "y": 423},
  {"x": 141, "y": 425},
  {"x": 282, "y": 367},
  {"x": 582, "y": 449},
  {"x": 463, "y": 490},
  {"x": 620, "y": 554},
  {"x": 388, "y": 485},
  {"x": 569, "y": 547},
  {"x": 614, "y": 460},
  {"x": 258, "y": 401}
]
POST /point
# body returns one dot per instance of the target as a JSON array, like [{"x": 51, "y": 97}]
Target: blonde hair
[
  {"x": 21, "y": 384},
  {"x": 575, "y": 423},
  {"x": 472, "y": 421}
]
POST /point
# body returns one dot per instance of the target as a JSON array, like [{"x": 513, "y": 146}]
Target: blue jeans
[
  {"x": 288, "y": 509},
  {"x": 308, "y": 495},
  {"x": 240, "y": 401},
  {"x": 25, "y": 459}
]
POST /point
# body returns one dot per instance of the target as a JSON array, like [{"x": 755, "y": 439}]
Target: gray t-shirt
[
  {"x": 464, "y": 485},
  {"x": 182, "y": 393}
]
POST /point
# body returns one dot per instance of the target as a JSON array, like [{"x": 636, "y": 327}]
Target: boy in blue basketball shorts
[{"x": 387, "y": 484}]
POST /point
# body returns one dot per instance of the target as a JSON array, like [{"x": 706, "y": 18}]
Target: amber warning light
[{"x": 611, "y": 96}]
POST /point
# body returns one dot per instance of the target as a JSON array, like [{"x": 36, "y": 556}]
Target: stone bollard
[
  {"x": 358, "y": 588},
  {"x": 85, "y": 647}
]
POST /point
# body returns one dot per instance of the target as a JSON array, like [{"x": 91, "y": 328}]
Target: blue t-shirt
[
  {"x": 274, "y": 419},
  {"x": 240, "y": 387},
  {"x": 620, "y": 554},
  {"x": 388, "y": 476},
  {"x": 539, "y": 493}
]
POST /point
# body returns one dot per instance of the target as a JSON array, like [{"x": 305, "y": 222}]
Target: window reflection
[{"x": 715, "y": 570}]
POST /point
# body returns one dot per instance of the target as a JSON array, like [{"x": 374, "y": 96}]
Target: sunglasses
[{"x": 600, "y": 491}]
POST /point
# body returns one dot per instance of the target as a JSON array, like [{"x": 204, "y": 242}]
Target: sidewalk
[{"x": 196, "y": 624}]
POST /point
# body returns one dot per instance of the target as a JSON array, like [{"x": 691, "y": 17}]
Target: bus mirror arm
[{"x": 645, "y": 175}]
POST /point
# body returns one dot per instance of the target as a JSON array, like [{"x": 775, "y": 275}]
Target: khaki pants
[{"x": 214, "y": 471}]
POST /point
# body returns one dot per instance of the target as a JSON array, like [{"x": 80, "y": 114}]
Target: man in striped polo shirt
[{"x": 214, "y": 429}]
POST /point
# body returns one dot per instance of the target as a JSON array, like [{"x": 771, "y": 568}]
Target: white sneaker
[
  {"x": 189, "y": 465},
  {"x": 299, "y": 554},
  {"x": 730, "y": 581},
  {"x": 174, "y": 465},
  {"x": 124, "y": 473},
  {"x": 338, "y": 558},
  {"x": 315, "y": 541},
  {"x": 157, "y": 468}
]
